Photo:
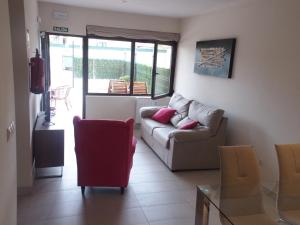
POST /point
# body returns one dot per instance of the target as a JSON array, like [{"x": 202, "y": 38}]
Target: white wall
[
  {"x": 8, "y": 166},
  {"x": 79, "y": 17},
  {"x": 23, "y": 16},
  {"x": 118, "y": 107},
  {"x": 31, "y": 23},
  {"x": 262, "y": 98},
  {"x": 110, "y": 107}
]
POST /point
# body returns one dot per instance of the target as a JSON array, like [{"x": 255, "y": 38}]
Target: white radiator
[
  {"x": 147, "y": 101},
  {"x": 119, "y": 107},
  {"x": 110, "y": 107}
]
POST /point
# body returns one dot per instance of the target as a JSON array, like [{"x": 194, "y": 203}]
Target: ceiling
[{"x": 166, "y": 8}]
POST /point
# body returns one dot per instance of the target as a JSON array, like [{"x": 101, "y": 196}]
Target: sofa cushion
[
  {"x": 181, "y": 105},
  {"x": 149, "y": 111},
  {"x": 176, "y": 119},
  {"x": 198, "y": 134},
  {"x": 188, "y": 125},
  {"x": 149, "y": 125},
  {"x": 206, "y": 115},
  {"x": 184, "y": 121},
  {"x": 161, "y": 135},
  {"x": 164, "y": 115}
]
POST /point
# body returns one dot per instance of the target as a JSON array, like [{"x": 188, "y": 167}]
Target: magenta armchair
[{"x": 104, "y": 152}]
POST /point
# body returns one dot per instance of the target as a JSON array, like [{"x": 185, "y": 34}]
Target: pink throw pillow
[
  {"x": 164, "y": 115},
  {"x": 189, "y": 125}
]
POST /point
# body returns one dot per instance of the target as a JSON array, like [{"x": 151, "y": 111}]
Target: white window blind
[{"x": 113, "y": 32}]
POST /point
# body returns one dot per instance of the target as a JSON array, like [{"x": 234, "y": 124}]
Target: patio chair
[
  {"x": 139, "y": 88},
  {"x": 61, "y": 93},
  {"x": 117, "y": 87}
]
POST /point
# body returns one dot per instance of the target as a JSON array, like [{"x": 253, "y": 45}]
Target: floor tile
[
  {"x": 171, "y": 211},
  {"x": 33, "y": 215},
  {"x": 154, "y": 196},
  {"x": 163, "y": 186},
  {"x": 65, "y": 209},
  {"x": 72, "y": 220},
  {"x": 152, "y": 177},
  {"x": 160, "y": 198},
  {"x": 119, "y": 216},
  {"x": 175, "y": 222}
]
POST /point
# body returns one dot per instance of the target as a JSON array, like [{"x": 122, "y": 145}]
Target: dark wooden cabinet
[{"x": 48, "y": 143}]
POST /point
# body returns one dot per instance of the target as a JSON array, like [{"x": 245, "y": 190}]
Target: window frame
[
  {"x": 173, "y": 44},
  {"x": 172, "y": 72}
]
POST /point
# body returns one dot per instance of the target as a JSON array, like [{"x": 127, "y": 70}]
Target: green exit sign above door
[{"x": 61, "y": 29}]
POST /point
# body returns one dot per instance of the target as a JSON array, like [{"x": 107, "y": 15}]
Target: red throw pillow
[
  {"x": 189, "y": 125},
  {"x": 164, "y": 115}
]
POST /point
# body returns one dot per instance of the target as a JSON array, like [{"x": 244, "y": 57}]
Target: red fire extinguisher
[{"x": 37, "y": 80}]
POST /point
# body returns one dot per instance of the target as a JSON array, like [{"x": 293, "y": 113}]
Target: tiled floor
[{"x": 155, "y": 195}]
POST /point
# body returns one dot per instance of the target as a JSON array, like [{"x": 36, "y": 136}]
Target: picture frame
[{"x": 215, "y": 57}]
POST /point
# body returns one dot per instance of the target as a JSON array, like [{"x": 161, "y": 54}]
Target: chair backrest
[
  {"x": 103, "y": 150},
  {"x": 117, "y": 87},
  {"x": 60, "y": 92},
  {"x": 288, "y": 197},
  {"x": 69, "y": 88},
  {"x": 240, "y": 181},
  {"x": 139, "y": 88}
]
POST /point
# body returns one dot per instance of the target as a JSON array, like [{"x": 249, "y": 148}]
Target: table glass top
[{"x": 228, "y": 205}]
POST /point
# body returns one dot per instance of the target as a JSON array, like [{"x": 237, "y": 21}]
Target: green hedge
[{"x": 116, "y": 69}]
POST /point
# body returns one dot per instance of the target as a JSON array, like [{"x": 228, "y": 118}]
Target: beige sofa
[{"x": 185, "y": 149}]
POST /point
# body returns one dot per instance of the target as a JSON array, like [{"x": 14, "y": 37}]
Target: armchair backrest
[{"x": 103, "y": 151}]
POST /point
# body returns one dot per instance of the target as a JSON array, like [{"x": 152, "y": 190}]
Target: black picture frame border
[{"x": 213, "y": 43}]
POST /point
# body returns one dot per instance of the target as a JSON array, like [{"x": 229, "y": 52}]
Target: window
[
  {"x": 163, "y": 71},
  {"x": 67, "y": 63},
  {"x": 108, "y": 66},
  {"x": 129, "y": 67},
  {"x": 143, "y": 64}
]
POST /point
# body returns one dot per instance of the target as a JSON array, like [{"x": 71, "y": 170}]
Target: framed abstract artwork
[{"x": 215, "y": 57}]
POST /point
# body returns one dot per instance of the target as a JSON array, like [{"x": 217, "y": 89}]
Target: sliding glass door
[{"x": 64, "y": 56}]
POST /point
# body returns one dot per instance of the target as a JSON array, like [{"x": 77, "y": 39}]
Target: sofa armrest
[
  {"x": 190, "y": 135},
  {"x": 149, "y": 111}
]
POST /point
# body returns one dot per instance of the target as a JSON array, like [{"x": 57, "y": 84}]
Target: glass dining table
[{"x": 214, "y": 206}]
